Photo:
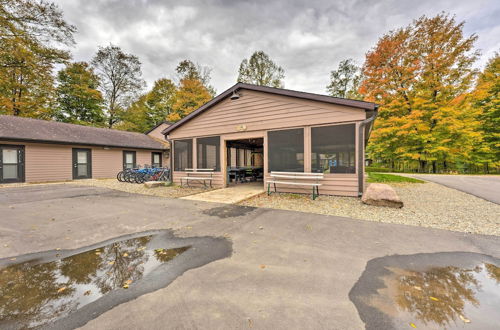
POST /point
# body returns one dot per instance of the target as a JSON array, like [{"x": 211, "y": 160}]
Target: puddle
[
  {"x": 430, "y": 291},
  {"x": 65, "y": 289},
  {"x": 229, "y": 211}
]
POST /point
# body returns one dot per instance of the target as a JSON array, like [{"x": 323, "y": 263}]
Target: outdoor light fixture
[{"x": 235, "y": 96}]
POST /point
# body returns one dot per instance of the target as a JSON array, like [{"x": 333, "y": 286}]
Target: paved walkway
[
  {"x": 483, "y": 186},
  {"x": 230, "y": 195}
]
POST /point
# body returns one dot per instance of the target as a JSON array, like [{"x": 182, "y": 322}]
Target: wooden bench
[
  {"x": 198, "y": 174},
  {"x": 296, "y": 179}
]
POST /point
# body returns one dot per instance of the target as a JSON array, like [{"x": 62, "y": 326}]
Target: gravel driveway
[
  {"x": 426, "y": 205},
  {"x": 484, "y": 186}
]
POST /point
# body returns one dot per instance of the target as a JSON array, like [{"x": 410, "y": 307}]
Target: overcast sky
[{"x": 307, "y": 38}]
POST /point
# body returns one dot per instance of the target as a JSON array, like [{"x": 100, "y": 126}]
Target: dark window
[
  {"x": 183, "y": 154},
  {"x": 156, "y": 159},
  {"x": 129, "y": 160},
  {"x": 333, "y": 149},
  {"x": 11, "y": 163},
  {"x": 209, "y": 152},
  {"x": 286, "y": 150}
]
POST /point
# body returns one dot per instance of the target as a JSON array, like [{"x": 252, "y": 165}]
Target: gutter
[
  {"x": 361, "y": 150},
  {"x": 171, "y": 143}
]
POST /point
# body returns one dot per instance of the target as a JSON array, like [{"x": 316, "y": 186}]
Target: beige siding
[
  {"x": 106, "y": 163},
  {"x": 258, "y": 112},
  {"x": 264, "y": 111},
  {"x": 44, "y": 162},
  {"x": 53, "y": 162},
  {"x": 156, "y": 133}
]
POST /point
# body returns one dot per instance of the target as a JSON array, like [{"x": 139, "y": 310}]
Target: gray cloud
[{"x": 307, "y": 38}]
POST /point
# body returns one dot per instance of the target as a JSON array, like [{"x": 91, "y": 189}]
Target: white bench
[
  {"x": 296, "y": 179},
  {"x": 198, "y": 174}
]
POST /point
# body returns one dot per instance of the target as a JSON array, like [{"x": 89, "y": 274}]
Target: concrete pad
[
  {"x": 288, "y": 270},
  {"x": 153, "y": 184},
  {"x": 230, "y": 195}
]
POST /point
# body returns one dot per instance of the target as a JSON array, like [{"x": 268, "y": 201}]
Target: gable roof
[
  {"x": 37, "y": 130},
  {"x": 158, "y": 125},
  {"x": 367, "y": 106}
]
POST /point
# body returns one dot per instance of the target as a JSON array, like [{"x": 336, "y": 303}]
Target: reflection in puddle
[
  {"x": 53, "y": 285},
  {"x": 441, "y": 291}
]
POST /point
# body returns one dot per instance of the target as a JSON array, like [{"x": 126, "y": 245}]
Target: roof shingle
[{"x": 36, "y": 130}]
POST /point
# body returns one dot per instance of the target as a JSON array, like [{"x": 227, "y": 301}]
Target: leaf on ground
[
  {"x": 111, "y": 262},
  {"x": 417, "y": 288},
  {"x": 61, "y": 289},
  {"x": 262, "y": 266},
  {"x": 87, "y": 293},
  {"x": 58, "y": 249},
  {"x": 413, "y": 325},
  {"x": 125, "y": 254},
  {"x": 434, "y": 298},
  {"x": 98, "y": 253}
]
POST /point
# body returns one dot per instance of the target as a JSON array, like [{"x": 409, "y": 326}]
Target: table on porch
[{"x": 241, "y": 174}]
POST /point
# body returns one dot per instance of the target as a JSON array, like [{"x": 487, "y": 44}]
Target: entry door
[
  {"x": 11, "y": 163},
  {"x": 82, "y": 164}
]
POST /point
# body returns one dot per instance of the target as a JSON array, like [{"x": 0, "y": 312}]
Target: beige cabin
[
  {"x": 249, "y": 131},
  {"x": 34, "y": 150}
]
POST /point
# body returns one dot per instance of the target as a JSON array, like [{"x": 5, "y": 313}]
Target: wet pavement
[
  {"x": 287, "y": 269},
  {"x": 65, "y": 289},
  {"x": 453, "y": 290}
]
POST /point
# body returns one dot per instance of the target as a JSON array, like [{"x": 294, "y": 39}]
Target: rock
[
  {"x": 380, "y": 194},
  {"x": 153, "y": 184}
]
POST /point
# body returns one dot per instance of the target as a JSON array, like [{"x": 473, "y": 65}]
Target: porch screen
[
  {"x": 183, "y": 154},
  {"x": 286, "y": 150},
  {"x": 333, "y": 149},
  {"x": 209, "y": 152}
]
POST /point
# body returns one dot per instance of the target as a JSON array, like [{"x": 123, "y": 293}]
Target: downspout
[
  {"x": 171, "y": 144},
  {"x": 361, "y": 150}
]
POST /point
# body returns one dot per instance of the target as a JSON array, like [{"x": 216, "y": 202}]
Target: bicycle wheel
[{"x": 119, "y": 176}]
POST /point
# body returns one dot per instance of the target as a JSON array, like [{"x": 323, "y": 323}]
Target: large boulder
[{"x": 380, "y": 194}]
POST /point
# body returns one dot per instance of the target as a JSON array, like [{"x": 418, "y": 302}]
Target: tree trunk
[
  {"x": 421, "y": 166},
  {"x": 434, "y": 167}
]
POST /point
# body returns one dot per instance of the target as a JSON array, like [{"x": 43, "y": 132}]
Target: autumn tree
[
  {"x": 78, "y": 100},
  {"x": 485, "y": 100},
  {"x": 121, "y": 80},
  {"x": 416, "y": 74},
  {"x": 261, "y": 70},
  {"x": 151, "y": 108},
  {"x": 344, "y": 82},
  {"x": 33, "y": 35},
  {"x": 190, "y": 95},
  {"x": 187, "y": 69}
]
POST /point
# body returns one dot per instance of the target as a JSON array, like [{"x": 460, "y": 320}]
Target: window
[
  {"x": 156, "y": 159},
  {"x": 183, "y": 154},
  {"x": 208, "y": 152},
  {"x": 333, "y": 149},
  {"x": 286, "y": 150},
  {"x": 129, "y": 160}
]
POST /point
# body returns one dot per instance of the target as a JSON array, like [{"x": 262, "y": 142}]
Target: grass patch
[{"x": 383, "y": 178}]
